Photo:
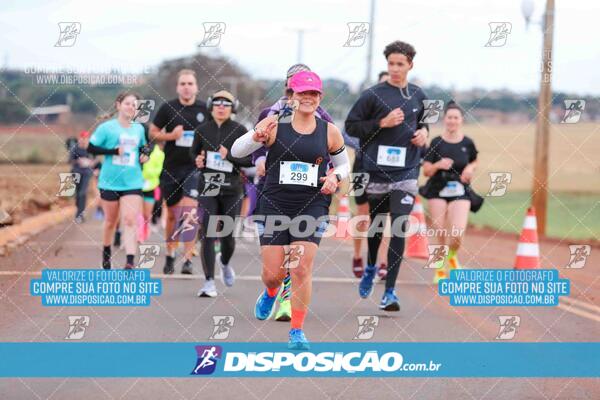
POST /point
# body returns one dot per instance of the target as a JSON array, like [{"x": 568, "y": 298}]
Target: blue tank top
[{"x": 296, "y": 153}]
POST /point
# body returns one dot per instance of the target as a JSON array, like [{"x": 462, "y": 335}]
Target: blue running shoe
[
  {"x": 365, "y": 287},
  {"x": 389, "y": 301},
  {"x": 298, "y": 340},
  {"x": 264, "y": 306}
]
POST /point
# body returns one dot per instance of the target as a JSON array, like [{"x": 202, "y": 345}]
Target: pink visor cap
[{"x": 305, "y": 81}]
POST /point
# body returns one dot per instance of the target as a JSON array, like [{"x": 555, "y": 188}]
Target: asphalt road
[{"x": 179, "y": 316}]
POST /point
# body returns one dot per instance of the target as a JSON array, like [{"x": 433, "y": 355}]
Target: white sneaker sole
[{"x": 202, "y": 293}]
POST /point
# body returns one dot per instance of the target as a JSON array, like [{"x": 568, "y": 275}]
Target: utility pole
[
  {"x": 300, "y": 44},
  {"x": 542, "y": 136},
  {"x": 367, "y": 80}
]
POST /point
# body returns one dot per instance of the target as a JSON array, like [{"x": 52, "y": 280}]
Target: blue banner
[
  {"x": 504, "y": 287},
  {"x": 95, "y": 287},
  {"x": 224, "y": 359}
]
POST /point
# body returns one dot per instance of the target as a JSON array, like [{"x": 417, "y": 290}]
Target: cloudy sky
[{"x": 261, "y": 37}]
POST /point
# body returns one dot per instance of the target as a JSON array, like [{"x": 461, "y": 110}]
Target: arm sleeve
[
  {"x": 243, "y": 162},
  {"x": 97, "y": 150},
  {"x": 360, "y": 122},
  {"x": 97, "y": 145}
]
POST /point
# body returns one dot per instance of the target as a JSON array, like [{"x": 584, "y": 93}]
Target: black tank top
[{"x": 289, "y": 148}]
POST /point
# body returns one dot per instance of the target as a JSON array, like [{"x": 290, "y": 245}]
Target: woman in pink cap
[{"x": 296, "y": 196}]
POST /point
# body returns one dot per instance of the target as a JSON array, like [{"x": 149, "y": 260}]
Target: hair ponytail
[
  {"x": 452, "y": 105},
  {"x": 113, "y": 109}
]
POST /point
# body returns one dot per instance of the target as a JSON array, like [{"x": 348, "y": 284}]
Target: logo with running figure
[
  {"x": 212, "y": 34},
  {"x": 499, "y": 32},
  {"x": 437, "y": 255},
  {"x": 287, "y": 111},
  {"x": 292, "y": 255},
  {"x": 77, "y": 326},
  {"x": 68, "y": 34},
  {"x": 212, "y": 183},
  {"x": 148, "y": 255},
  {"x": 357, "y": 34},
  {"x": 573, "y": 111},
  {"x": 579, "y": 255},
  {"x": 207, "y": 359},
  {"x": 366, "y": 326},
  {"x": 508, "y": 326},
  {"x": 188, "y": 221},
  {"x": 222, "y": 327},
  {"x": 499, "y": 182},
  {"x": 143, "y": 110},
  {"x": 432, "y": 109},
  {"x": 68, "y": 183},
  {"x": 358, "y": 183}
]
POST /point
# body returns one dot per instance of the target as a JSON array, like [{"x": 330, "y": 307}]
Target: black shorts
[
  {"x": 429, "y": 191},
  {"x": 176, "y": 184},
  {"x": 356, "y": 168},
  {"x": 115, "y": 195},
  {"x": 450, "y": 199},
  {"x": 307, "y": 227}
]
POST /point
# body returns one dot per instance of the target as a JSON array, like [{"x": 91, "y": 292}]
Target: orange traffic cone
[
  {"x": 343, "y": 218},
  {"x": 528, "y": 250},
  {"x": 416, "y": 246}
]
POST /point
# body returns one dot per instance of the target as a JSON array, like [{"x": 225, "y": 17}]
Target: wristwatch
[{"x": 338, "y": 177}]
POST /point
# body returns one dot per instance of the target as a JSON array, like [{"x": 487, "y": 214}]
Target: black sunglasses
[{"x": 224, "y": 103}]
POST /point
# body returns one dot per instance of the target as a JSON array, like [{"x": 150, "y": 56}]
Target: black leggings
[
  {"x": 382, "y": 204},
  {"x": 223, "y": 204}
]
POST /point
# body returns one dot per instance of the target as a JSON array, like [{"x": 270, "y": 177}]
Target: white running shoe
[
  {"x": 209, "y": 289},
  {"x": 227, "y": 272}
]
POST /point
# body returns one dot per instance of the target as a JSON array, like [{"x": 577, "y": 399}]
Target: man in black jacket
[
  {"x": 220, "y": 174},
  {"x": 387, "y": 118}
]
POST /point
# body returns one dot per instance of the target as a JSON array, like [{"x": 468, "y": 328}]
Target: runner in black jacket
[
  {"x": 387, "y": 119},
  {"x": 210, "y": 149}
]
